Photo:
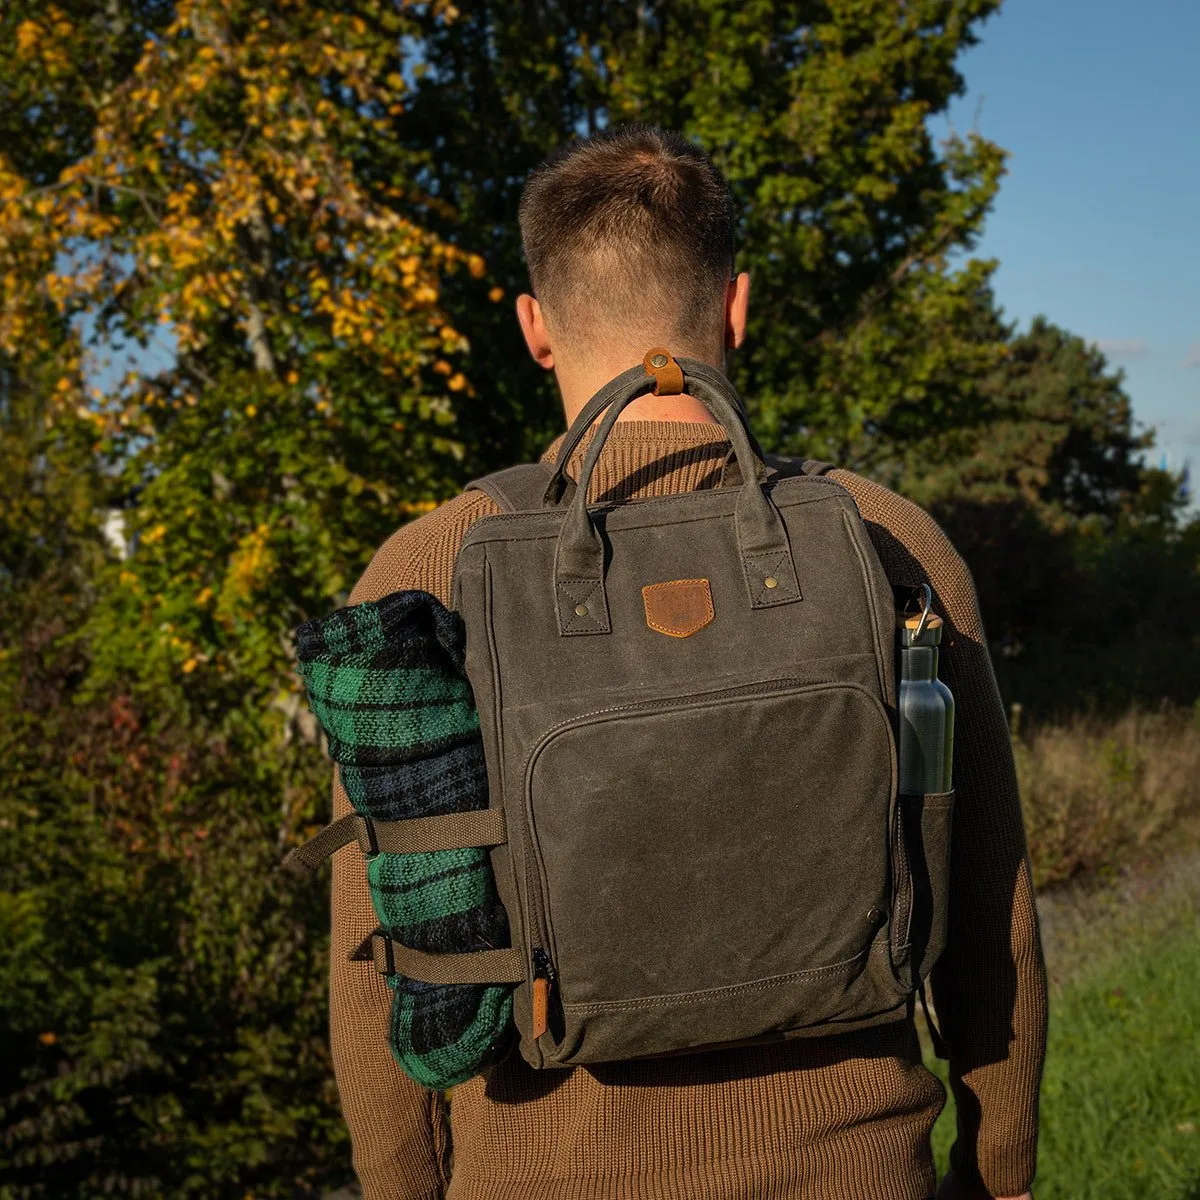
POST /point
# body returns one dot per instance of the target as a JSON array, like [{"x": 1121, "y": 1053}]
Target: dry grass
[{"x": 1101, "y": 794}]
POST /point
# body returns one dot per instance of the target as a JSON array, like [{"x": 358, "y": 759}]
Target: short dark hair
[{"x": 633, "y": 214}]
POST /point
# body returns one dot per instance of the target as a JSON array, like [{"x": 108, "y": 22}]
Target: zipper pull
[{"x": 542, "y": 974}]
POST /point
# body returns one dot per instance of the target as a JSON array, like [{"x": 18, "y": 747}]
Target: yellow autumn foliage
[
  {"x": 250, "y": 567},
  {"x": 199, "y": 244}
]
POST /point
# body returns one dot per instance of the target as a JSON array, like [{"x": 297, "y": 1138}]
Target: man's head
[{"x": 629, "y": 239}]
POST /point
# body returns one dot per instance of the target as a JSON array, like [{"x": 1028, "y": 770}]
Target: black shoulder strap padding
[
  {"x": 783, "y": 465},
  {"x": 516, "y": 489}
]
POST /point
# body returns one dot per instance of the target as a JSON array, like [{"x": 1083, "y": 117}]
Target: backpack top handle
[
  {"x": 770, "y": 574},
  {"x": 560, "y": 485}
]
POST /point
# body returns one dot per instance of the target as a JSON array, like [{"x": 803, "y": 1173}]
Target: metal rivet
[
  {"x": 659, "y": 360},
  {"x": 875, "y": 915},
  {"x": 770, "y": 582},
  {"x": 581, "y": 610}
]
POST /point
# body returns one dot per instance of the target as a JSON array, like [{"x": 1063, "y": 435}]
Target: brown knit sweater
[{"x": 838, "y": 1118}]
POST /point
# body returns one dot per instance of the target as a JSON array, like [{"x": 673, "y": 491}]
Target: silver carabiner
[{"x": 927, "y": 592}]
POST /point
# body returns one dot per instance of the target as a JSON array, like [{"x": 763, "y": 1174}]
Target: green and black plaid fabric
[{"x": 386, "y": 681}]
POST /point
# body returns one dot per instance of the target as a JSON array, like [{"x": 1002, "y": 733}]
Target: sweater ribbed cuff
[{"x": 998, "y": 1170}]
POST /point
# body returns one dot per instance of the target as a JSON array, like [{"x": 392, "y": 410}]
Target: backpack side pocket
[{"x": 927, "y": 826}]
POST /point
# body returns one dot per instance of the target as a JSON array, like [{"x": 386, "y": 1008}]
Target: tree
[
  {"x": 1081, "y": 553},
  {"x": 1059, "y": 434},
  {"x": 862, "y": 336},
  {"x": 192, "y": 189}
]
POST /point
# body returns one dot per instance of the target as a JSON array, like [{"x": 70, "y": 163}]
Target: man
[{"x": 629, "y": 239}]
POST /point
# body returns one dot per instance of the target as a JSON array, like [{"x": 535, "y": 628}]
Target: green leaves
[
  {"x": 305, "y": 217},
  {"x": 818, "y": 115}
]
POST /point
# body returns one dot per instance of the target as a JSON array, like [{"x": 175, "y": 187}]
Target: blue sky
[{"x": 1097, "y": 224}]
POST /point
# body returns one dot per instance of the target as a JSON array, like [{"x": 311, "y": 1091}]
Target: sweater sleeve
[
  {"x": 399, "y": 1131},
  {"x": 989, "y": 986}
]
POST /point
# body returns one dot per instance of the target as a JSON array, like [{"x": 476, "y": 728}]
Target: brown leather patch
[{"x": 679, "y": 607}]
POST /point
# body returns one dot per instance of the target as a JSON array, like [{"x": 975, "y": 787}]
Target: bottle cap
[
  {"x": 931, "y": 634},
  {"x": 933, "y": 621}
]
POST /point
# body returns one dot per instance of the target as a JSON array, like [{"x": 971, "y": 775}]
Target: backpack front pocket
[{"x": 698, "y": 897}]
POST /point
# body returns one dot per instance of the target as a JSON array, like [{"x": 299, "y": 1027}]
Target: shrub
[{"x": 1097, "y": 793}]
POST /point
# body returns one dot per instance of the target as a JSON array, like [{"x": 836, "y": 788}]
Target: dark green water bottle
[{"x": 926, "y": 708}]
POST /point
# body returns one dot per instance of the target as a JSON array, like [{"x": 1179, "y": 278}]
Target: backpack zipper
[{"x": 902, "y": 889}]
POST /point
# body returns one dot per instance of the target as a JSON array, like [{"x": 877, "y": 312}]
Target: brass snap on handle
[
  {"x": 581, "y": 610},
  {"x": 658, "y": 360},
  {"x": 770, "y": 582}
]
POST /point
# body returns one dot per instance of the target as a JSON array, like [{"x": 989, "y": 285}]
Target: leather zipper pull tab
[{"x": 540, "y": 994}]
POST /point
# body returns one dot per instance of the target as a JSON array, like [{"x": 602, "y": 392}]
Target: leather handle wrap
[{"x": 668, "y": 375}]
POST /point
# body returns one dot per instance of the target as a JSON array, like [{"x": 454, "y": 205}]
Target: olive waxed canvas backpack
[{"x": 688, "y": 712}]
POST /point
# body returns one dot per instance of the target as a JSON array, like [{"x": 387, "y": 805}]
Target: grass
[
  {"x": 1101, "y": 794},
  {"x": 1121, "y": 1092}
]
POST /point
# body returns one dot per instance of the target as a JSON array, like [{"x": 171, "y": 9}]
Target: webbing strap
[
  {"x": 418, "y": 835},
  {"x": 451, "y": 831},
  {"x": 307, "y": 857},
  {"x": 479, "y": 967}
]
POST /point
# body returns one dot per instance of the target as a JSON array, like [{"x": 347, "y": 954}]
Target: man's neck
[{"x": 579, "y": 383}]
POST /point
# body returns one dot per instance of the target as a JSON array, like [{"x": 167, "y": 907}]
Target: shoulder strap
[
  {"x": 784, "y": 465},
  {"x": 515, "y": 489},
  {"x": 814, "y": 466}
]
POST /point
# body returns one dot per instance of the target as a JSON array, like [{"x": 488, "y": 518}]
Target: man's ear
[
  {"x": 529, "y": 317},
  {"x": 737, "y": 304}
]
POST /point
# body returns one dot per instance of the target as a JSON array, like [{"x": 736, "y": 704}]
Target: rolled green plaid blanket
[{"x": 386, "y": 681}]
